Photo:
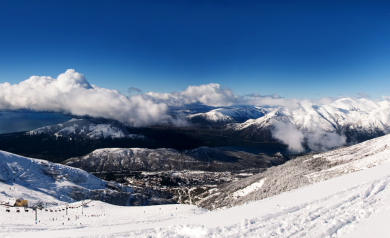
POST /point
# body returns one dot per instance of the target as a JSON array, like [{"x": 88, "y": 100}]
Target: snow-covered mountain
[
  {"x": 228, "y": 115},
  {"x": 357, "y": 119},
  {"x": 87, "y": 129},
  {"x": 304, "y": 170},
  {"x": 141, "y": 159},
  {"x": 50, "y": 182}
]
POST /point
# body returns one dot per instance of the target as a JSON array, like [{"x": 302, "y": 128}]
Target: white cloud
[
  {"x": 321, "y": 140},
  {"x": 208, "y": 94},
  {"x": 215, "y": 95},
  {"x": 289, "y": 135},
  {"x": 71, "y": 93},
  {"x": 318, "y": 140}
]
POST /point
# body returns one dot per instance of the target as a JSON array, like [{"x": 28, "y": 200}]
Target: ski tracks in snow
[{"x": 335, "y": 215}]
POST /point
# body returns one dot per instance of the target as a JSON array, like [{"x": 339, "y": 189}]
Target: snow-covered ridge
[
  {"x": 229, "y": 115},
  {"x": 87, "y": 129}
]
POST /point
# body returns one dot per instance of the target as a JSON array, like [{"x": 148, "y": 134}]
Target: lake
[
  {"x": 265, "y": 150},
  {"x": 15, "y": 121}
]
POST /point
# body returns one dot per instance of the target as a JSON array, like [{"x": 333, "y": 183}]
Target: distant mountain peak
[{"x": 87, "y": 129}]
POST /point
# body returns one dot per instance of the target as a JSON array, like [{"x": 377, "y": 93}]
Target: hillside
[
  {"x": 302, "y": 171},
  {"x": 50, "y": 182}
]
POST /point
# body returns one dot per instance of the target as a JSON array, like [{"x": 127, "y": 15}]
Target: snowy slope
[
  {"x": 302, "y": 171},
  {"x": 87, "y": 129},
  {"x": 58, "y": 181},
  {"x": 40, "y": 180},
  {"x": 347, "y": 206},
  {"x": 229, "y": 115},
  {"x": 353, "y": 158}
]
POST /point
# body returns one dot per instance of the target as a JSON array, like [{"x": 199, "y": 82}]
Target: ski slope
[{"x": 346, "y": 206}]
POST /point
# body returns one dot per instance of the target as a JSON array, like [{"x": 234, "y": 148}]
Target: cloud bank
[
  {"x": 215, "y": 95},
  {"x": 321, "y": 140},
  {"x": 208, "y": 94},
  {"x": 317, "y": 140},
  {"x": 72, "y": 93}
]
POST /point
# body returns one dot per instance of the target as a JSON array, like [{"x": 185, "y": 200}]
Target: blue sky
[{"x": 300, "y": 49}]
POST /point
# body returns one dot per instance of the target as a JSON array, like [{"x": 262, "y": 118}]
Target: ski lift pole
[
  {"x": 36, "y": 214},
  {"x": 82, "y": 207},
  {"x": 67, "y": 209}
]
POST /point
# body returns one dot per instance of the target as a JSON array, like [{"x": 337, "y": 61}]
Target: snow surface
[
  {"x": 45, "y": 181},
  {"x": 247, "y": 190},
  {"x": 353, "y": 158},
  {"x": 333, "y": 208}
]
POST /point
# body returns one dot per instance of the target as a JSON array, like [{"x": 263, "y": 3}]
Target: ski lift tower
[
  {"x": 67, "y": 205},
  {"x": 36, "y": 213}
]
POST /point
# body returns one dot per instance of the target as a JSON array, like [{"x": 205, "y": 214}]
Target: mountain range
[
  {"x": 357, "y": 118},
  {"x": 300, "y": 126}
]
